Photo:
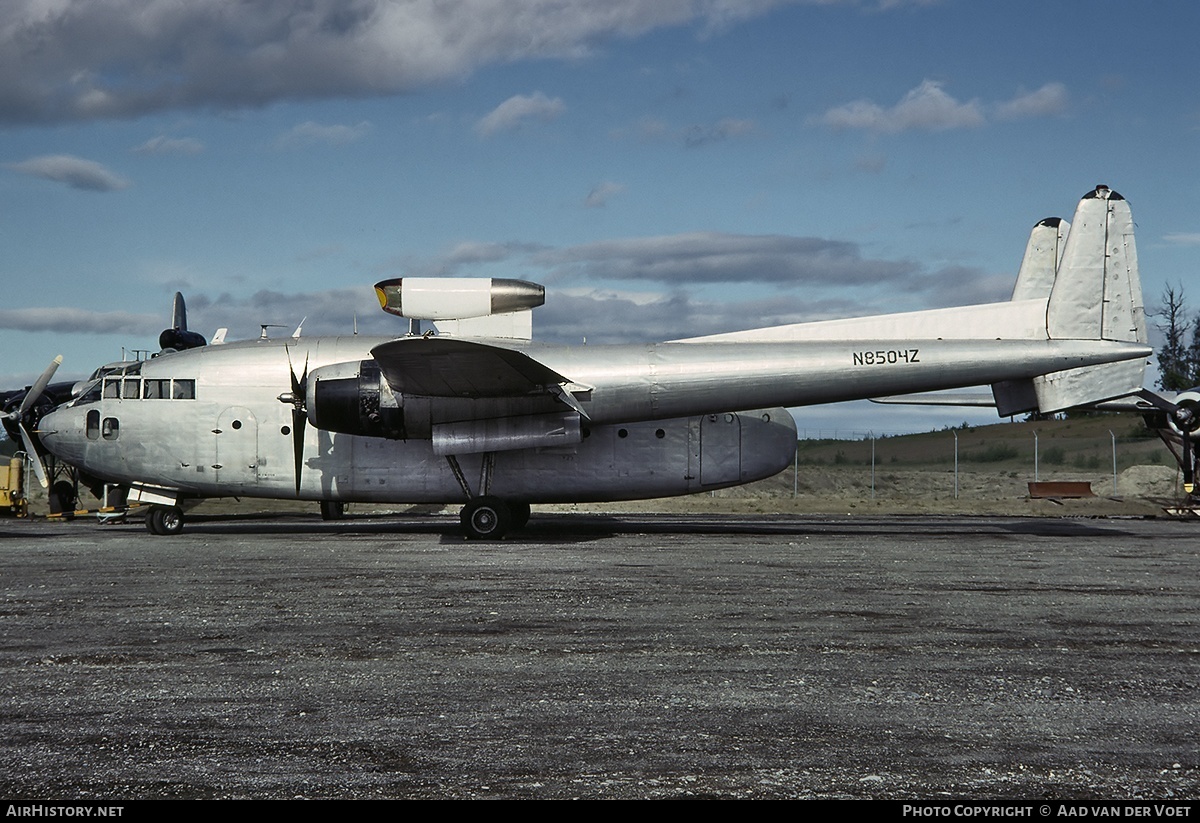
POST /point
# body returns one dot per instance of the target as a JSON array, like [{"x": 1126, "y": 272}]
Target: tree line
[{"x": 1179, "y": 355}]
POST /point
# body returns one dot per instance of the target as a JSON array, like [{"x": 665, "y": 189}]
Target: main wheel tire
[
  {"x": 486, "y": 518},
  {"x": 165, "y": 520},
  {"x": 332, "y": 509},
  {"x": 519, "y": 514},
  {"x": 171, "y": 521},
  {"x": 62, "y": 497}
]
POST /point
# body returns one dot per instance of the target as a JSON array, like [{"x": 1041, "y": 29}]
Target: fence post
[
  {"x": 1035, "y": 457},
  {"x": 955, "y": 464},
  {"x": 872, "y": 464},
  {"x": 1114, "y": 444}
]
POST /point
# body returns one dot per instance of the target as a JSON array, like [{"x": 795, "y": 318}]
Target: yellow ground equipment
[{"x": 12, "y": 489}]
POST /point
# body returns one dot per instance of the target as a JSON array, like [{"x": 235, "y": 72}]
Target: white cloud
[
  {"x": 1050, "y": 99},
  {"x": 170, "y": 145},
  {"x": 699, "y": 135},
  {"x": 926, "y": 108},
  {"x": 88, "y": 59},
  {"x": 694, "y": 136},
  {"x": 929, "y": 107},
  {"x": 65, "y": 320},
  {"x": 310, "y": 133},
  {"x": 1183, "y": 238},
  {"x": 76, "y": 172},
  {"x": 716, "y": 257},
  {"x": 519, "y": 108},
  {"x": 601, "y": 194}
]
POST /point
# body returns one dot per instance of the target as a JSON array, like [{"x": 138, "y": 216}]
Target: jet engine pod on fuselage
[
  {"x": 353, "y": 398},
  {"x": 441, "y": 298}
]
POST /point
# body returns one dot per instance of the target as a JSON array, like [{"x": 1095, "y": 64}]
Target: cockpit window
[
  {"x": 131, "y": 389},
  {"x": 184, "y": 390},
  {"x": 112, "y": 388},
  {"x": 90, "y": 394}
]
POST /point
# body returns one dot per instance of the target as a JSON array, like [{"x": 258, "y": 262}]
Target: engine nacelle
[
  {"x": 353, "y": 398},
  {"x": 180, "y": 339},
  {"x": 1190, "y": 428},
  {"x": 453, "y": 298}
]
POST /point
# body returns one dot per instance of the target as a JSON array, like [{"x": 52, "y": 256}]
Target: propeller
[
  {"x": 1185, "y": 419},
  {"x": 177, "y": 337},
  {"x": 19, "y": 414},
  {"x": 296, "y": 397}
]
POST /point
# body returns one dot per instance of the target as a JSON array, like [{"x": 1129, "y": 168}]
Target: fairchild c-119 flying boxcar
[{"x": 479, "y": 414}]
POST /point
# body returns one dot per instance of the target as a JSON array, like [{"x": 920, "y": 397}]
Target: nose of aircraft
[{"x": 56, "y": 431}]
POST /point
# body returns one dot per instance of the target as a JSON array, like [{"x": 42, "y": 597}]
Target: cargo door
[
  {"x": 235, "y": 452},
  {"x": 720, "y": 449}
]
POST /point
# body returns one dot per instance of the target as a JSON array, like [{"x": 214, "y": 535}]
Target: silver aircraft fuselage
[{"x": 662, "y": 419}]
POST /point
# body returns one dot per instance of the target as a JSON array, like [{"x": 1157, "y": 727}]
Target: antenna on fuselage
[{"x": 265, "y": 326}]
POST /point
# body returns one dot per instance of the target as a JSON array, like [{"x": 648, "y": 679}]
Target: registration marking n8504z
[{"x": 886, "y": 357}]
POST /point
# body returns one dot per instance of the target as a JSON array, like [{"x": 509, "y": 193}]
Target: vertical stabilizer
[
  {"x": 1042, "y": 255},
  {"x": 1098, "y": 292},
  {"x": 1097, "y": 295},
  {"x": 1035, "y": 281}
]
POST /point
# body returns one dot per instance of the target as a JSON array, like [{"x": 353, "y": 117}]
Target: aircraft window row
[{"x": 131, "y": 389}]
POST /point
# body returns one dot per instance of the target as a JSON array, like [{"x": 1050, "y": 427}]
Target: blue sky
[{"x": 665, "y": 168}]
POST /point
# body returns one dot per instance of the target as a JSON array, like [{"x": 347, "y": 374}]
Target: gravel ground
[{"x": 602, "y": 656}]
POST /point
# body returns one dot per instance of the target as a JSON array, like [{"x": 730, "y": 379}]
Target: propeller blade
[
  {"x": 31, "y": 450},
  {"x": 1189, "y": 475},
  {"x": 299, "y": 421},
  {"x": 39, "y": 386},
  {"x": 299, "y": 415},
  {"x": 179, "y": 313}
]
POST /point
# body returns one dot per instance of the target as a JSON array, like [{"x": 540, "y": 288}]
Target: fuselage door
[
  {"x": 235, "y": 451},
  {"x": 720, "y": 449}
]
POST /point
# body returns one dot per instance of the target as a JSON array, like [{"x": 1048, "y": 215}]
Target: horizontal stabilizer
[{"x": 938, "y": 398}]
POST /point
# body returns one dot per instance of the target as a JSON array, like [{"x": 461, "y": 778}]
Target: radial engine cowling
[
  {"x": 353, "y": 398},
  {"x": 1189, "y": 426}
]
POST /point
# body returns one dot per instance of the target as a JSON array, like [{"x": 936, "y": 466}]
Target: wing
[
  {"x": 442, "y": 367},
  {"x": 484, "y": 397}
]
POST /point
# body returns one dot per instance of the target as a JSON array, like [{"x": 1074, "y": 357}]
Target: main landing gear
[
  {"x": 164, "y": 520},
  {"x": 490, "y": 518},
  {"x": 485, "y": 516}
]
